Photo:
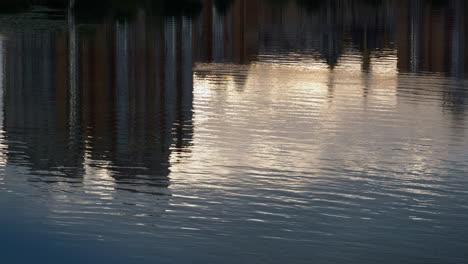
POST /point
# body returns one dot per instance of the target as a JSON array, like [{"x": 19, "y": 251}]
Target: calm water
[{"x": 234, "y": 132}]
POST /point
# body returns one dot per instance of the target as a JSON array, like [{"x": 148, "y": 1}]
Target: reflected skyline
[
  {"x": 124, "y": 104},
  {"x": 120, "y": 93}
]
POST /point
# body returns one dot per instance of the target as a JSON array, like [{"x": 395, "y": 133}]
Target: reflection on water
[
  {"x": 226, "y": 131},
  {"x": 115, "y": 109}
]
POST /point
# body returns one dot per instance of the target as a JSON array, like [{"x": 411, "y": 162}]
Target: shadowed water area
[{"x": 248, "y": 131}]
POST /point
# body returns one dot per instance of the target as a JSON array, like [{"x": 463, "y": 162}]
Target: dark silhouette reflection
[
  {"x": 321, "y": 29},
  {"x": 430, "y": 34},
  {"x": 425, "y": 36},
  {"x": 110, "y": 85},
  {"x": 136, "y": 96},
  {"x": 222, "y": 36},
  {"x": 92, "y": 11},
  {"x": 89, "y": 11},
  {"x": 113, "y": 96},
  {"x": 35, "y": 101},
  {"x": 432, "y": 37}
]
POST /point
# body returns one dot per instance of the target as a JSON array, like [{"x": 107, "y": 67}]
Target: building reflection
[
  {"x": 429, "y": 36},
  {"x": 136, "y": 94},
  {"x": 118, "y": 94},
  {"x": 122, "y": 101},
  {"x": 228, "y": 33},
  {"x": 35, "y": 99},
  {"x": 432, "y": 37},
  {"x": 422, "y": 36},
  {"x": 328, "y": 28}
]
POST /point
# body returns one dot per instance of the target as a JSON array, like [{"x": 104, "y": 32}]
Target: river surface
[{"x": 235, "y": 132}]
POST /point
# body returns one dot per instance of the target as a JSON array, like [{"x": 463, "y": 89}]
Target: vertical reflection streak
[
  {"x": 457, "y": 40},
  {"x": 415, "y": 31},
  {"x": 170, "y": 72},
  {"x": 218, "y": 36},
  {"x": 73, "y": 70},
  {"x": 122, "y": 81}
]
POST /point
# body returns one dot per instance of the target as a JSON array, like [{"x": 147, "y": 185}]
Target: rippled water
[{"x": 234, "y": 132}]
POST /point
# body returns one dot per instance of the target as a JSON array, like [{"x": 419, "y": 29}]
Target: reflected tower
[{"x": 116, "y": 96}]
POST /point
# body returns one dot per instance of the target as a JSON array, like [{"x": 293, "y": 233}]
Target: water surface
[{"x": 234, "y": 132}]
